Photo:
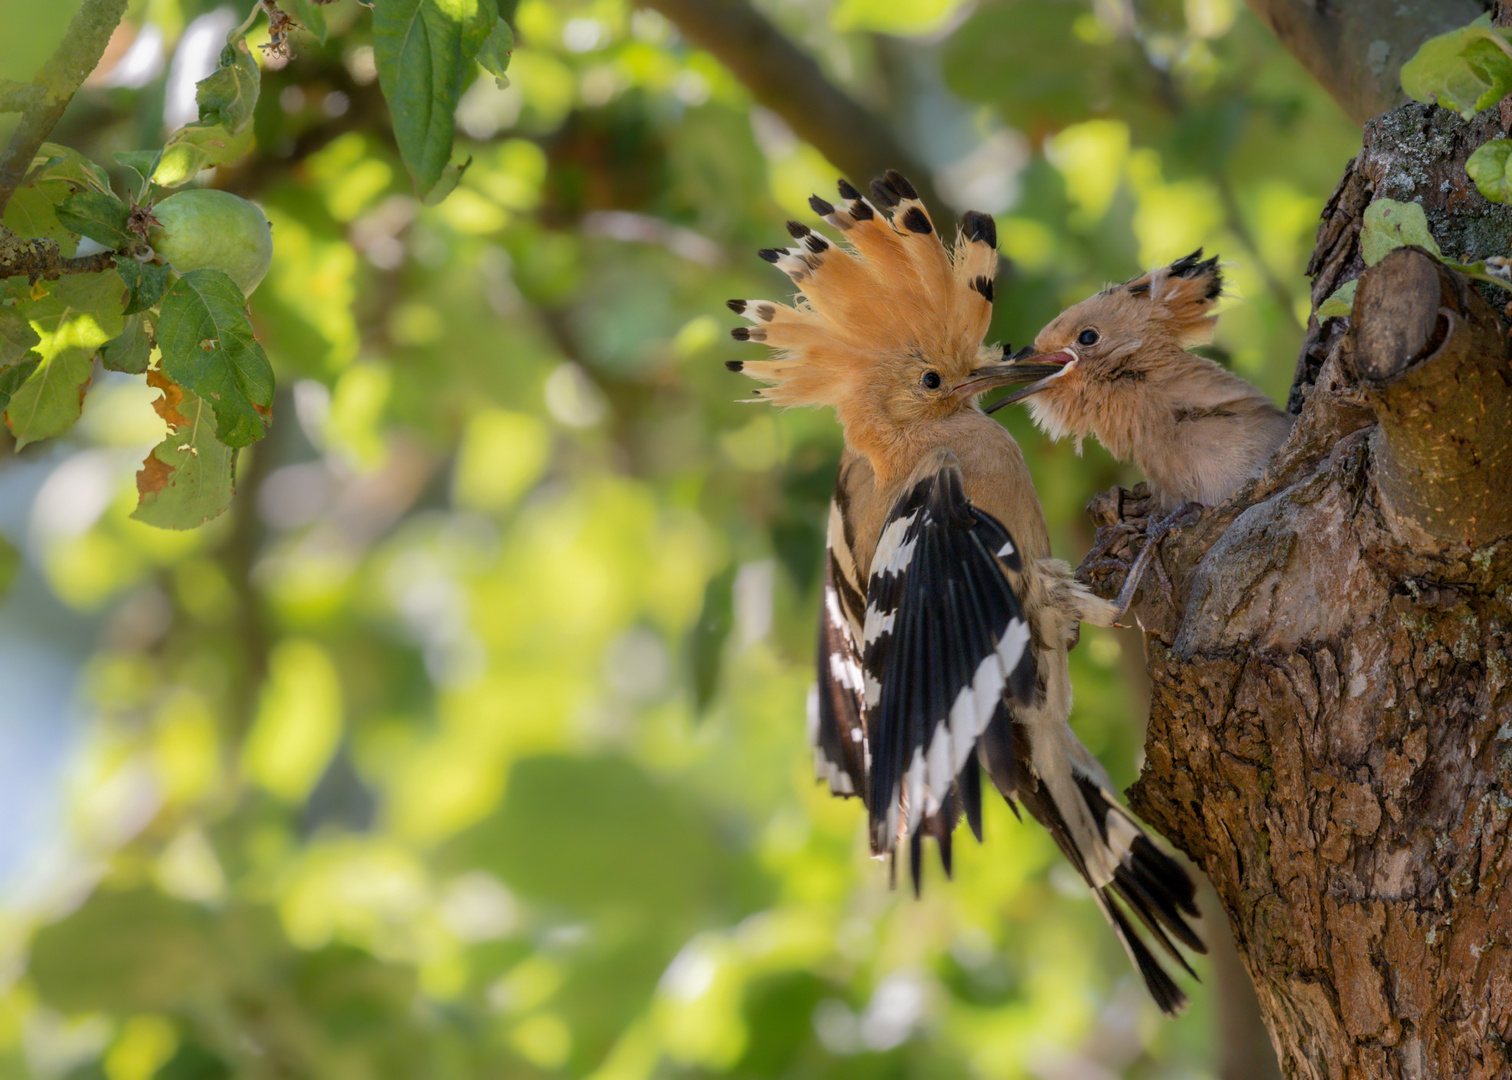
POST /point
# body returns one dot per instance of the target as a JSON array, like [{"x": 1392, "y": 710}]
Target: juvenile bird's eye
[
  {"x": 1087, "y": 337},
  {"x": 931, "y": 380}
]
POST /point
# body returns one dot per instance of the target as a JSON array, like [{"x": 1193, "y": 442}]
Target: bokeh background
[{"x": 470, "y": 743}]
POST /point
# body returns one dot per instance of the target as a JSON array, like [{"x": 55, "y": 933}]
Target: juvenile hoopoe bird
[
  {"x": 946, "y": 623},
  {"x": 1122, "y": 373}
]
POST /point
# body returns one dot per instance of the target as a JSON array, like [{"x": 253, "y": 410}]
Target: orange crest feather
[{"x": 891, "y": 288}]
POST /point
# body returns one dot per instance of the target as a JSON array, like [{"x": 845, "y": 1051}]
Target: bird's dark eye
[
  {"x": 931, "y": 380},
  {"x": 1087, "y": 337}
]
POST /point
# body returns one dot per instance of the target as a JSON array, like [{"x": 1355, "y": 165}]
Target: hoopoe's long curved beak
[
  {"x": 1044, "y": 369},
  {"x": 1007, "y": 373}
]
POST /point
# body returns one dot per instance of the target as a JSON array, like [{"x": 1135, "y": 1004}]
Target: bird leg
[{"x": 1155, "y": 532}]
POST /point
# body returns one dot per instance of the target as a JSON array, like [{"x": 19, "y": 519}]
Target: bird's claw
[{"x": 1156, "y": 532}]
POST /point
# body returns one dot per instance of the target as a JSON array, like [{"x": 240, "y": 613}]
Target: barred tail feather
[{"x": 1127, "y": 872}]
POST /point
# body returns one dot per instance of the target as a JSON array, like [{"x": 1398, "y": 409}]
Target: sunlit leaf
[
  {"x": 1466, "y": 70},
  {"x": 1341, "y": 302},
  {"x": 81, "y": 313},
  {"x": 423, "y": 49},
  {"x": 1390, "y": 224},
  {"x": 209, "y": 348},
  {"x": 197, "y": 146},
  {"x": 1491, "y": 169}
]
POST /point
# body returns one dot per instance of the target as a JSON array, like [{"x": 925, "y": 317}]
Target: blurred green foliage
[{"x": 470, "y": 743}]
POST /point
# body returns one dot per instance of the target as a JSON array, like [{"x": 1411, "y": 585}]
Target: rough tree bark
[{"x": 1331, "y": 721}]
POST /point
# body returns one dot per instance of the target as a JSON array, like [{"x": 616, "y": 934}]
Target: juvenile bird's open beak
[{"x": 1043, "y": 369}]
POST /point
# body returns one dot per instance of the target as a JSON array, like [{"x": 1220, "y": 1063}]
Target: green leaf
[
  {"x": 451, "y": 176},
  {"x": 130, "y": 350},
  {"x": 209, "y": 349},
  {"x": 1390, "y": 224},
  {"x": 59, "y": 162},
  {"x": 82, "y": 312},
  {"x": 228, "y": 95},
  {"x": 17, "y": 338},
  {"x": 197, "y": 146},
  {"x": 1466, "y": 70},
  {"x": 141, "y": 162},
  {"x": 495, "y": 53},
  {"x": 56, "y": 173},
  {"x": 13, "y": 374},
  {"x": 423, "y": 48},
  {"x": 1491, "y": 169},
  {"x": 1341, "y": 303},
  {"x": 310, "y": 17},
  {"x": 188, "y": 478},
  {"x": 102, "y": 218},
  {"x": 146, "y": 281}
]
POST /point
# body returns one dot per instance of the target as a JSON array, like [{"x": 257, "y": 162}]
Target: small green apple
[{"x": 203, "y": 227}]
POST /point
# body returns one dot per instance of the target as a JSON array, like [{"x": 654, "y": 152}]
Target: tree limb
[
  {"x": 17, "y": 96},
  {"x": 787, "y": 81},
  {"x": 43, "y": 260},
  {"x": 65, "y": 71},
  {"x": 1432, "y": 357},
  {"x": 1356, "y": 48}
]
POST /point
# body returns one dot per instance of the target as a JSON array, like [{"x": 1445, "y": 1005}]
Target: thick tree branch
[
  {"x": 17, "y": 96},
  {"x": 1356, "y": 48},
  {"x": 65, "y": 71},
  {"x": 1432, "y": 357},
  {"x": 42, "y": 259},
  {"x": 787, "y": 81}
]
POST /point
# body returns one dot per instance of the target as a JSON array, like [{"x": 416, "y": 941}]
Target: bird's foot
[{"x": 1155, "y": 532}]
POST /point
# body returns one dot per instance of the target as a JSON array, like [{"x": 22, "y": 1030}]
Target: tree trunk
[{"x": 1331, "y": 721}]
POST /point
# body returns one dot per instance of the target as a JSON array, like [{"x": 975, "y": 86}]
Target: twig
[
  {"x": 788, "y": 81},
  {"x": 65, "y": 71},
  {"x": 42, "y": 260}
]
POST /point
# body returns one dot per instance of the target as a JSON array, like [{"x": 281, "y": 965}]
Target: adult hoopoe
[
  {"x": 946, "y": 623},
  {"x": 1122, "y": 373}
]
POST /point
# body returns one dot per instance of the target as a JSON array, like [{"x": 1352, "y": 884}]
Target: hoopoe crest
[{"x": 886, "y": 331}]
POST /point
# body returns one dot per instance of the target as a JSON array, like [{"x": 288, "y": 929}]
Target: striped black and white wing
[
  {"x": 837, "y": 724},
  {"x": 945, "y": 649}
]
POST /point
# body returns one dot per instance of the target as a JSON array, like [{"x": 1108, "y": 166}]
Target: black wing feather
[
  {"x": 938, "y": 605},
  {"x": 839, "y": 722}
]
